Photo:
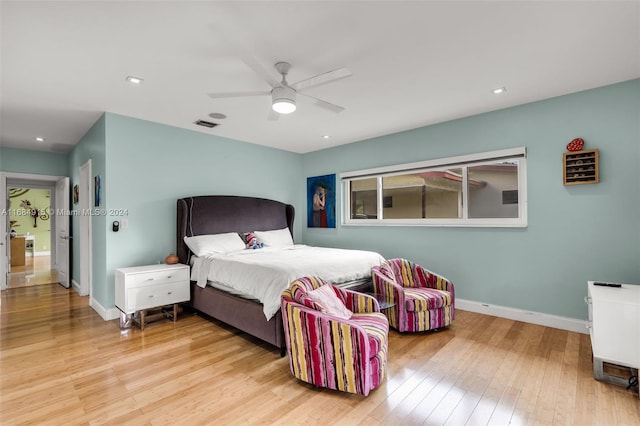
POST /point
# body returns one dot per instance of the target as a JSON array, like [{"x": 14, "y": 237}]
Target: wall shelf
[{"x": 580, "y": 167}]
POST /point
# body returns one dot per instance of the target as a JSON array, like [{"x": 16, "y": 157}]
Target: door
[{"x": 62, "y": 231}]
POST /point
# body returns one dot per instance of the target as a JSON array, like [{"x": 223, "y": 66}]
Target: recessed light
[
  {"x": 326, "y": 137},
  {"x": 134, "y": 80},
  {"x": 499, "y": 90},
  {"x": 40, "y": 139},
  {"x": 217, "y": 115}
]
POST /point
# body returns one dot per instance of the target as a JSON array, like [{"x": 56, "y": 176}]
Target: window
[{"x": 487, "y": 189}]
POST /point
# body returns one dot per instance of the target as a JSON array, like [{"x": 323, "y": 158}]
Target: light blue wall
[
  {"x": 150, "y": 166},
  {"x": 35, "y": 162},
  {"x": 575, "y": 233},
  {"x": 92, "y": 146}
]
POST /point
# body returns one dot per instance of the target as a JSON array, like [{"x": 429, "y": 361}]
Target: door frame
[
  {"x": 21, "y": 179},
  {"x": 85, "y": 286}
]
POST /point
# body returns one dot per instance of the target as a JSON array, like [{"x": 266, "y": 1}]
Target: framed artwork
[
  {"x": 321, "y": 201},
  {"x": 76, "y": 194},
  {"x": 96, "y": 190}
]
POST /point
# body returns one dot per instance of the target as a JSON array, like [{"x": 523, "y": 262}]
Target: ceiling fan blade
[
  {"x": 320, "y": 79},
  {"x": 238, "y": 94},
  {"x": 324, "y": 104},
  {"x": 257, "y": 67}
]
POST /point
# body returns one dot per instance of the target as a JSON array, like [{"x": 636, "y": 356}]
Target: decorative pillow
[
  {"x": 202, "y": 245},
  {"x": 325, "y": 297},
  {"x": 300, "y": 289},
  {"x": 275, "y": 238},
  {"x": 252, "y": 241}
]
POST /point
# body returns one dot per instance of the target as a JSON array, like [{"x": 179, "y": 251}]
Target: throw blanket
[{"x": 265, "y": 273}]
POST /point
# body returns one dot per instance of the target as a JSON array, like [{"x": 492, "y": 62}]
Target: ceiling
[{"x": 64, "y": 63}]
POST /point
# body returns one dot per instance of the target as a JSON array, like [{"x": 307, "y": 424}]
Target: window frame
[{"x": 463, "y": 162}]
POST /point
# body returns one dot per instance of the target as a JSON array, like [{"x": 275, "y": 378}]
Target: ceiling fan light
[
  {"x": 283, "y": 106},
  {"x": 283, "y": 100}
]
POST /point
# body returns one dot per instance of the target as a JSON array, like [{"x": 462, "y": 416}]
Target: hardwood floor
[
  {"x": 36, "y": 271},
  {"x": 61, "y": 363}
]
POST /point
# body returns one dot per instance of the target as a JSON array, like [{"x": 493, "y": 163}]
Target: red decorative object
[
  {"x": 575, "y": 145},
  {"x": 172, "y": 259}
]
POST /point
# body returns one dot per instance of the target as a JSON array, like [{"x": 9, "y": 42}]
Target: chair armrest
[
  {"x": 387, "y": 289},
  {"x": 433, "y": 280},
  {"x": 360, "y": 302},
  {"x": 353, "y": 335}
]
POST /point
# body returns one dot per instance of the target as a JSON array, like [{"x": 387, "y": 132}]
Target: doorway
[
  {"x": 30, "y": 237},
  {"x": 57, "y": 187}
]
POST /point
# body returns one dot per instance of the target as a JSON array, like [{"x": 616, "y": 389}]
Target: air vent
[{"x": 206, "y": 123}]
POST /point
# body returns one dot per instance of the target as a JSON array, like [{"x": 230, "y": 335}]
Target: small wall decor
[
  {"x": 17, "y": 192},
  {"x": 96, "y": 190},
  {"x": 35, "y": 213},
  {"x": 76, "y": 194},
  {"x": 321, "y": 201},
  {"x": 575, "y": 145}
]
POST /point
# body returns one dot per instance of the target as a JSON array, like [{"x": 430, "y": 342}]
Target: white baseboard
[
  {"x": 106, "y": 314},
  {"x": 75, "y": 286},
  {"x": 539, "y": 318},
  {"x": 113, "y": 313}
]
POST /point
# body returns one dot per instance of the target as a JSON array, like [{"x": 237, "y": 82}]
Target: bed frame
[{"x": 214, "y": 214}]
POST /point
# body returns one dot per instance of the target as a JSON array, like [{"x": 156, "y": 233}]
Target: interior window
[{"x": 476, "y": 190}]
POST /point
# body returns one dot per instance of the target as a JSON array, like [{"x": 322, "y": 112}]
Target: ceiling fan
[{"x": 283, "y": 94}]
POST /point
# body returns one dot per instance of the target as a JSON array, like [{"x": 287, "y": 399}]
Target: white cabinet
[
  {"x": 30, "y": 244},
  {"x": 614, "y": 316},
  {"x": 142, "y": 288}
]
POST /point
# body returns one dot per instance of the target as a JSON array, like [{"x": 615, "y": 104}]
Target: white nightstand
[
  {"x": 143, "y": 288},
  {"x": 614, "y": 323}
]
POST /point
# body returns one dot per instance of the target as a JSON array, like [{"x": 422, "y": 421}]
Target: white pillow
[
  {"x": 276, "y": 238},
  {"x": 202, "y": 245},
  {"x": 329, "y": 303}
]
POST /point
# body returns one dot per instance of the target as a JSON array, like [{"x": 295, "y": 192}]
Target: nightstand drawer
[
  {"x": 153, "y": 278},
  {"x": 156, "y": 295}
]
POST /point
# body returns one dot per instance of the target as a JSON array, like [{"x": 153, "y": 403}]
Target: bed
[{"x": 219, "y": 214}]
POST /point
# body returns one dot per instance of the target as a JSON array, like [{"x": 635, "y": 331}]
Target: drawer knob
[
  {"x": 169, "y": 277},
  {"x": 150, "y": 279},
  {"x": 151, "y": 296},
  {"x": 170, "y": 292}
]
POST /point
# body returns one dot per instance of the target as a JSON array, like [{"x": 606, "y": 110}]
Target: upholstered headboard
[{"x": 216, "y": 214}]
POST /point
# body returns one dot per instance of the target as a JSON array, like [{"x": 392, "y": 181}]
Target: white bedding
[{"x": 265, "y": 273}]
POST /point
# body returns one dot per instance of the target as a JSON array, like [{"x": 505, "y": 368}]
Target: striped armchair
[
  {"x": 324, "y": 350},
  {"x": 422, "y": 300}
]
